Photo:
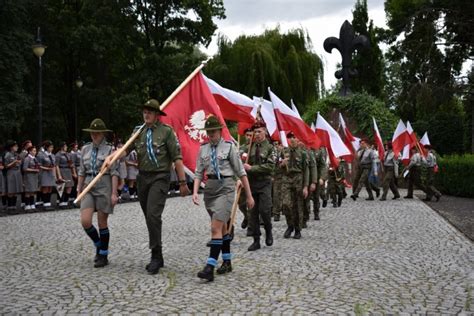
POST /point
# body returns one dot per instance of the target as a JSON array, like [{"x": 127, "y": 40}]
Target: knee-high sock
[
  {"x": 216, "y": 245},
  {"x": 104, "y": 241},
  {"x": 94, "y": 235},
  {"x": 226, "y": 254}
]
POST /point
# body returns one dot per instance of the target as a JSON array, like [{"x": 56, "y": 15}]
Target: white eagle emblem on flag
[{"x": 196, "y": 122}]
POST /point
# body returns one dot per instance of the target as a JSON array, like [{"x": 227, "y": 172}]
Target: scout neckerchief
[
  {"x": 214, "y": 160},
  {"x": 149, "y": 146},
  {"x": 94, "y": 160}
]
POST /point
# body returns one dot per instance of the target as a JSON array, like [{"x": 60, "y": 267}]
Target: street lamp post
[
  {"x": 38, "y": 50},
  {"x": 79, "y": 84}
]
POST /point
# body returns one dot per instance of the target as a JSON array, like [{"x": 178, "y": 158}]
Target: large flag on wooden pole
[{"x": 187, "y": 113}]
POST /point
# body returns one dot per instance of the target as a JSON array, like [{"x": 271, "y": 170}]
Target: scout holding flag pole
[{"x": 221, "y": 162}]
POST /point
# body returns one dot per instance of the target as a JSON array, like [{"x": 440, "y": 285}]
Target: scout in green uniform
[
  {"x": 259, "y": 170},
  {"x": 390, "y": 165},
  {"x": 220, "y": 160},
  {"x": 431, "y": 164},
  {"x": 103, "y": 196},
  {"x": 336, "y": 183},
  {"x": 295, "y": 166},
  {"x": 367, "y": 162},
  {"x": 414, "y": 175},
  {"x": 157, "y": 148}
]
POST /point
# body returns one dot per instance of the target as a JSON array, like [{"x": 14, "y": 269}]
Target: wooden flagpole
[{"x": 135, "y": 135}]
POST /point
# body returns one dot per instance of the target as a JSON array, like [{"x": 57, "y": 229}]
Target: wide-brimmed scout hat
[
  {"x": 153, "y": 105},
  {"x": 212, "y": 123},
  {"x": 97, "y": 126}
]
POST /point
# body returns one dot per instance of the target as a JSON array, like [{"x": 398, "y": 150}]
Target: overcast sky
[{"x": 321, "y": 18}]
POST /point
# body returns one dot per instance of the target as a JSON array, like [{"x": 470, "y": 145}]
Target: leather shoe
[
  {"x": 288, "y": 232},
  {"x": 297, "y": 234},
  {"x": 437, "y": 198},
  {"x": 377, "y": 193},
  {"x": 316, "y": 216},
  {"x": 276, "y": 218},
  {"x": 102, "y": 261},
  {"x": 224, "y": 268},
  {"x": 396, "y": 197},
  {"x": 354, "y": 197},
  {"x": 408, "y": 197},
  {"x": 325, "y": 203},
  {"x": 207, "y": 273},
  {"x": 369, "y": 199},
  {"x": 244, "y": 224}
]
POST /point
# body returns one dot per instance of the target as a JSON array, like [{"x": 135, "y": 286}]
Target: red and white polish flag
[
  {"x": 330, "y": 138},
  {"x": 378, "y": 141},
  {"x": 399, "y": 138},
  {"x": 291, "y": 121},
  {"x": 352, "y": 142}
]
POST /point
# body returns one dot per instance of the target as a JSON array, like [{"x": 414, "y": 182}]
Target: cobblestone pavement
[{"x": 365, "y": 257}]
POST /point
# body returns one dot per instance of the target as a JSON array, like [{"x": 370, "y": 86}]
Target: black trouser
[
  {"x": 262, "y": 195},
  {"x": 414, "y": 178},
  {"x": 152, "y": 194}
]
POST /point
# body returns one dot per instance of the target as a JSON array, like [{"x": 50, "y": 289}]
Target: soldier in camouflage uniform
[
  {"x": 295, "y": 166},
  {"x": 157, "y": 148},
  {"x": 243, "y": 150},
  {"x": 313, "y": 180},
  {"x": 277, "y": 186},
  {"x": 321, "y": 166},
  {"x": 336, "y": 178},
  {"x": 259, "y": 168}
]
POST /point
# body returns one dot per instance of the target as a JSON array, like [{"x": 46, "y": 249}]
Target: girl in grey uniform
[
  {"x": 30, "y": 178},
  {"x": 103, "y": 196},
  {"x": 65, "y": 171},
  {"x": 47, "y": 174},
  {"x": 220, "y": 159},
  {"x": 14, "y": 181},
  {"x": 132, "y": 172}
]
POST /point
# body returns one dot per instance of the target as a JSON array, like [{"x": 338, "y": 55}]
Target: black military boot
[
  {"x": 102, "y": 261},
  {"x": 334, "y": 204},
  {"x": 288, "y": 232},
  {"x": 276, "y": 218},
  {"x": 339, "y": 200},
  {"x": 244, "y": 224},
  {"x": 225, "y": 267},
  {"x": 268, "y": 237},
  {"x": 297, "y": 234},
  {"x": 156, "y": 262},
  {"x": 325, "y": 203},
  {"x": 255, "y": 245},
  {"x": 316, "y": 215},
  {"x": 207, "y": 273}
]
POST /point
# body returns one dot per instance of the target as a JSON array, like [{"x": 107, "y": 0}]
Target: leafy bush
[{"x": 456, "y": 175}]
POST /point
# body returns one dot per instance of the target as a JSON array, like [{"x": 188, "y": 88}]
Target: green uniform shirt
[
  {"x": 321, "y": 163},
  {"x": 313, "y": 166},
  {"x": 165, "y": 146},
  {"x": 298, "y": 162},
  {"x": 265, "y": 164}
]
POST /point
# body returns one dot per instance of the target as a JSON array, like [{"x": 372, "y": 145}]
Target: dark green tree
[
  {"x": 283, "y": 62},
  {"x": 369, "y": 62}
]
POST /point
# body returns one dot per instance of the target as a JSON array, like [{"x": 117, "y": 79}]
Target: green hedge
[{"x": 456, "y": 175}]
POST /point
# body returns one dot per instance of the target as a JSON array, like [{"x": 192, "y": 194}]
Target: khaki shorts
[
  {"x": 98, "y": 198},
  {"x": 219, "y": 197}
]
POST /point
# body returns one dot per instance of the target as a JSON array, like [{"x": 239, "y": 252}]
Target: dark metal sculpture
[{"x": 346, "y": 44}]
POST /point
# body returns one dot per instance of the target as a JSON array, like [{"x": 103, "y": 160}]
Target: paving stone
[{"x": 393, "y": 257}]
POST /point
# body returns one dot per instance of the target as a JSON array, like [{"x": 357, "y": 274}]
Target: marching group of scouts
[{"x": 273, "y": 181}]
